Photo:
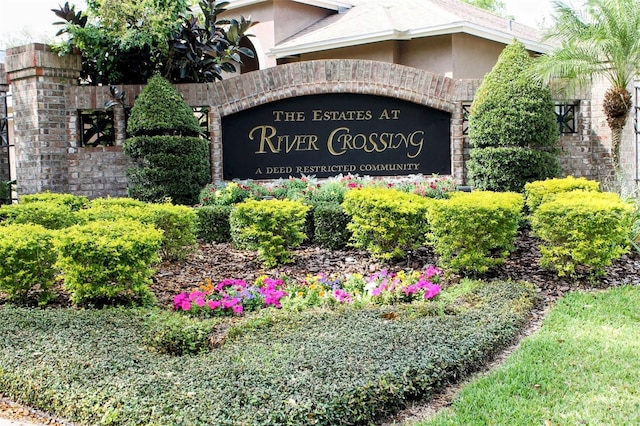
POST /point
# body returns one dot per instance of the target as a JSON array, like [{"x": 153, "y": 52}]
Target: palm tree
[{"x": 601, "y": 40}]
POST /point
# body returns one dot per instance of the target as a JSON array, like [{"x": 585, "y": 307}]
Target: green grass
[
  {"x": 582, "y": 367},
  {"x": 314, "y": 367}
]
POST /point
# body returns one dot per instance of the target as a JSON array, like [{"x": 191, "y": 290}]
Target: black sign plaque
[{"x": 330, "y": 134}]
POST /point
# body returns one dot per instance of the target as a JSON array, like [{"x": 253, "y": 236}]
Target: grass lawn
[
  {"x": 582, "y": 367},
  {"x": 324, "y": 367}
]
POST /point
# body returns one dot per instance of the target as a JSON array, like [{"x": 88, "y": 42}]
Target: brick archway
[{"x": 338, "y": 76}]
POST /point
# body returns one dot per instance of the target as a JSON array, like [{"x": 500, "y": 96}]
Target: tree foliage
[
  {"x": 512, "y": 126},
  {"x": 600, "y": 40},
  {"x": 494, "y": 6},
  {"x": 127, "y": 41}
]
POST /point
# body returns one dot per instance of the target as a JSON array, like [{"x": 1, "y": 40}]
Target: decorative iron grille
[
  {"x": 7, "y": 194},
  {"x": 202, "y": 114},
  {"x": 96, "y": 128},
  {"x": 566, "y": 116},
  {"x": 466, "y": 109}
]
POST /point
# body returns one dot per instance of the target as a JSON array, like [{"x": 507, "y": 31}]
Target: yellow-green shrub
[
  {"x": 51, "y": 215},
  {"x": 75, "y": 202},
  {"x": 107, "y": 262},
  {"x": 269, "y": 226},
  {"x": 178, "y": 223},
  {"x": 475, "y": 231},
  {"x": 27, "y": 256},
  {"x": 583, "y": 228},
  {"x": 386, "y": 222},
  {"x": 541, "y": 191}
]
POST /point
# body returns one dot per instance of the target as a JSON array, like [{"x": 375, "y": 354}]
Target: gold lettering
[
  {"x": 265, "y": 138},
  {"x": 418, "y": 144},
  {"x": 330, "y": 141},
  {"x": 288, "y": 115},
  {"x": 258, "y": 172}
]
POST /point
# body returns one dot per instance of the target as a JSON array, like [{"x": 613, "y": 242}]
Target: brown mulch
[{"x": 221, "y": 261}]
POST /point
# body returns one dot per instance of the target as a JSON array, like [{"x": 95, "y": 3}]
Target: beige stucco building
[{"x": 446, "y": 37}]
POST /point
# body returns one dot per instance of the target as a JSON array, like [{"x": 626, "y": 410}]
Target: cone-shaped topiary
[
  {"x": 160, "y": 110},
  {"x": 172, "y": 162},
  {"x": 512, "y": 111}
]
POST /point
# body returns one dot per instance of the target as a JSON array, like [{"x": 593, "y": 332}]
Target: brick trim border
[{"x": 333, "y": 76}]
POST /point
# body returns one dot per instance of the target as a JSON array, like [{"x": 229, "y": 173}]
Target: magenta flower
[
  {"x": 185, "y": 305},
  {"x": 432, "y": 291},
  {"x": 237, "y": 309},
  {"x": 214, "y": 304},
  {"x": 199, "y": 302}
]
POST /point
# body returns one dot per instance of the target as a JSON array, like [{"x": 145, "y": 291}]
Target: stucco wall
[
  {"x": 383, "y": 52},
  {"x": 429, "y": 54},
  {"x": 473, "y": 57}
]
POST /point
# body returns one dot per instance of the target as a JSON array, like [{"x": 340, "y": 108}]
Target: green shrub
[
  {"x": 177, "y": 223},
  {"x": 169, "y": 167},
  {"x": 108, "y": 261},
  {"x": 51, "y": 215},
  {"x": 161, "y": 110},
  {"x": 175, "y": 334},
  {"x": 331, "y": 226},
  {"x": 27, "y": 258},
  {"x": 75, "y": 202},
  {"x": 474, "y": 231},
  {"x": 386, "y": 222},
  {"x": 172, "y": 162},
  {"x": 269, "y": 226},
  {"x": 510, "y": 168},
  {"x": 510, "y": 110},
  {"x": 582, "y": 228},
  {"x": 542, "y": 191},
  {"x": 213, "y": 223}
]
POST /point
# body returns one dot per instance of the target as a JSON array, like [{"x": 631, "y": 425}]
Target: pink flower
[
  {"x": 199, "y": 302},
  {"x": 214, "y": 304},
  {"x": 237, "y": 309},
  {"x": 432, "y": 291},
  {"x": 185, "y": 305}
]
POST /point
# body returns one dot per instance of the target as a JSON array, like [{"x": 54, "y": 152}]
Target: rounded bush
[
  {"x": 542, "y": 191},
  {"x": 472, "y": 232},
  {"x": 107, "y": 262},
  {"x": 49, "y": 214},
  {"x": 28, "y": 256},
  {"x": 582, "y": 228}
]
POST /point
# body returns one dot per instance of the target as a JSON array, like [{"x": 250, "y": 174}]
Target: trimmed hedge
[
  {"x": 177, "y": 223},
  {"x": 386, "y": 222},
  {"x": 26, "y": 267},
  {"x": 91, "y": 366},
  {"x": 539, "y": 192},
  {"x": 169, "y": 167},
  {"x": 271, "y": 227},
  {"x": 49, "y": 214},
  {"x": 105, "y": 262},
  {"x": 331, "y": 226},
  {"x": 213, "y": 223},
  {"x": 582, "y": 228},
  {"x": 510, "y": 168},
  {"x": 475, "y": 231},
  {"x": 75, "y": 202}
]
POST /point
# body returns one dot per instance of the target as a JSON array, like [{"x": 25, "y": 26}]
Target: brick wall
[
  {"x": 5, "y": 170},
  {"x": 47, "y": 100}
]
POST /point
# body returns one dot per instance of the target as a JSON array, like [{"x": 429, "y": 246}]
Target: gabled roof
[{"x": 370, "y": 21}]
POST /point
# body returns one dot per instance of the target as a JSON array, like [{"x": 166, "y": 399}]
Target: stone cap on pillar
[{"x": 37, "y": 59}]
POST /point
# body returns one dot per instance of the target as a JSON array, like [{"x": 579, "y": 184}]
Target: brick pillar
[
  {"x": 38, "y": 77},
  {"x": 5, "y": 171}
]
